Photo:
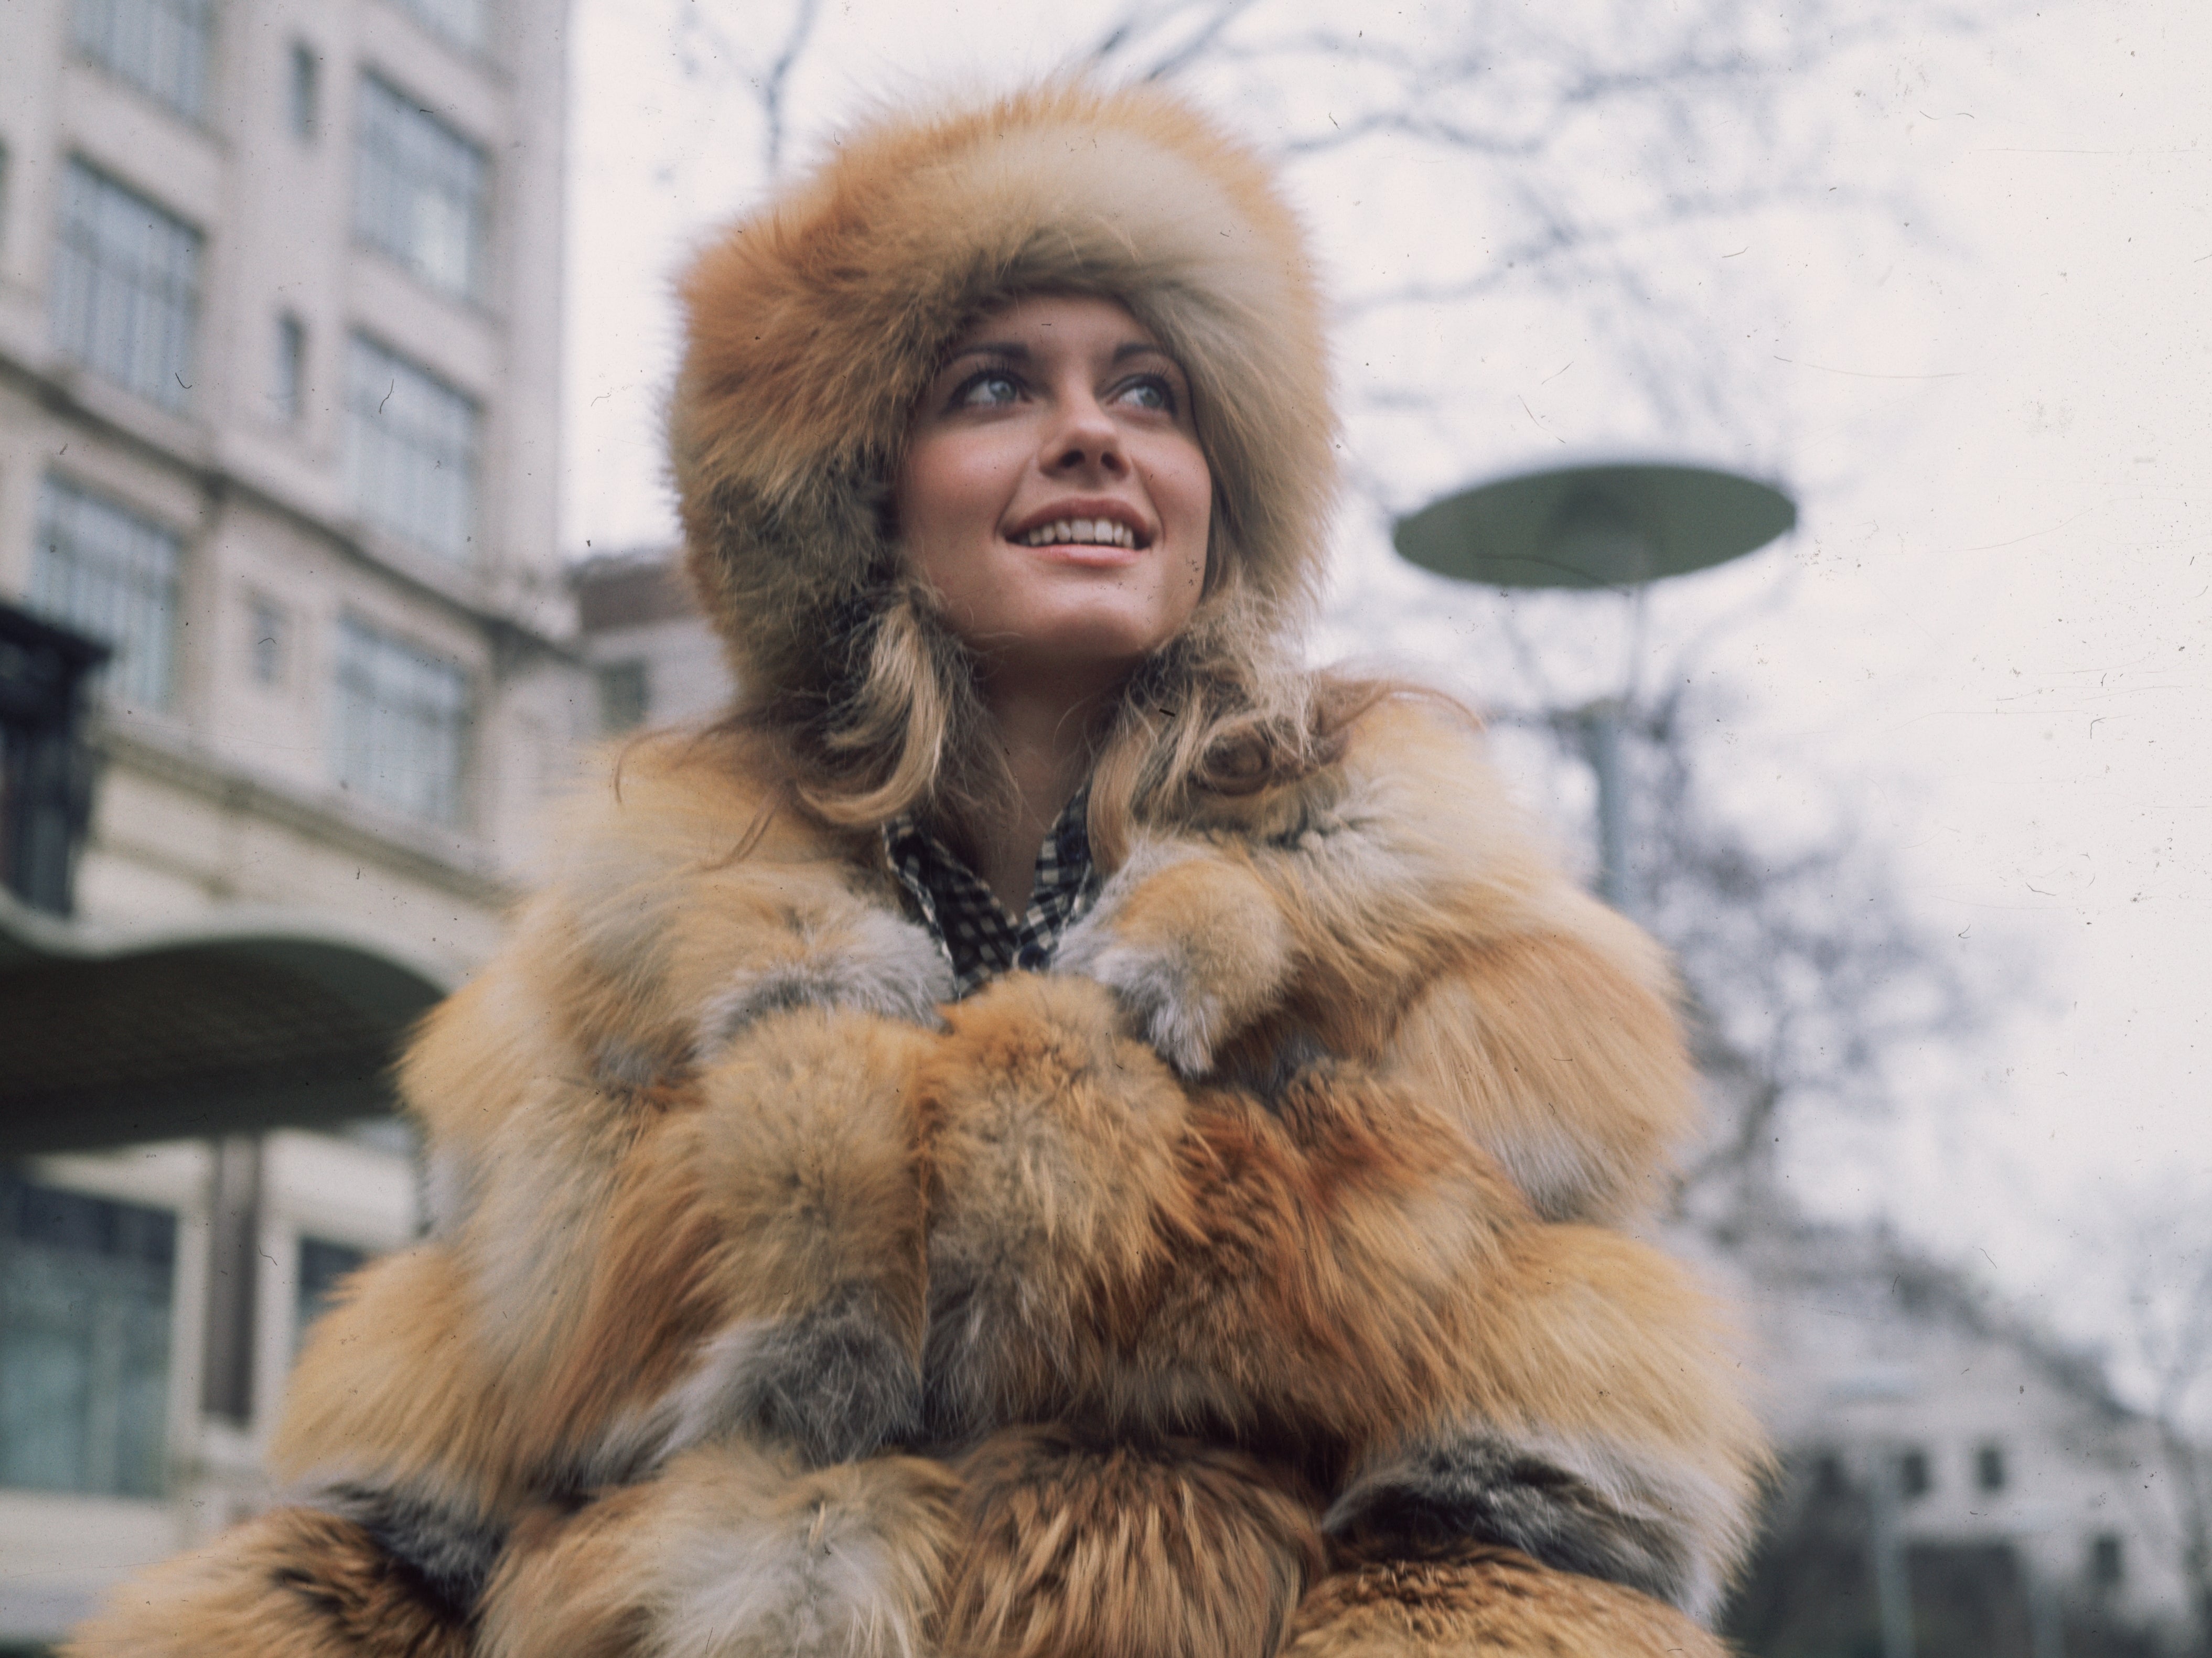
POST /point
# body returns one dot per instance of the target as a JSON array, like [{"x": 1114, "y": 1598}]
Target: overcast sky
[{"x": 1989, "y": 637}]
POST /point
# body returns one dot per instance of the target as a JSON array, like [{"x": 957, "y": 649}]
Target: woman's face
[{"x": 1054, "y": 495}]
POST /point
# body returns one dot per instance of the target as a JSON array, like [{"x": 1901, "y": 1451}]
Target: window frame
[
  {"x": 427, "y": 13},
  {"x": 1915, "y": 1472},
  {"x": 80, "y": 1178},
  {"x": 400, "y": 501},
  {"x": 623, "y": 690},
  {"x": 303, "y": 1313},
  {"x": 288, "y": 393},
  {"x": 144, "y": 670},
  {"x": 400, "y": 146},
  {"x": 1992, "y": 1470},
  {"x": 268, "y": 631},
  {"x": 367, "y": 659},
  {"x": 2108, "y": 1561},
  {"x": 303, "y": 92},
  {"x": 314, "y": 1184},
  {"x": 100, "y": 32},
  {"x": 157, "y": 284}
]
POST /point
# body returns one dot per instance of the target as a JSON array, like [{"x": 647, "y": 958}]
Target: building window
[
  {"x": 419, "y": 189},
  {"x": 1914, "y": 1478},
  {"x": 288, "y": 375},
  {"x": 126, "y": 287},
  {"x": 625, "y": 696},
  {"x": 1989, "y": 1468},
  {"x": 267, "y": 640},
  {"x": 303, "y": 100},
  {"x": 411, "y": 450},
  {"x": 160, "y": 47},
  {"x": 321, "y": 1265},
  {"x": 402, "y": 724},
  {"x": 2108, "y": 1565},
  {"x": 1828, "y": 1478},
  {"x": 105, "y": 571},
  {"x": 461, "y": 21},
  {"x": 85, "y": 1296}
]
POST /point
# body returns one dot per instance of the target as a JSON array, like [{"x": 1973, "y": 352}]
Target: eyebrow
[
  {"x": 1011, "y": 349},
  {"x": 1016, "y": 351}
]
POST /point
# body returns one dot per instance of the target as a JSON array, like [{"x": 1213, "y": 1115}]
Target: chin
[{"x": 1093, "y": 647}]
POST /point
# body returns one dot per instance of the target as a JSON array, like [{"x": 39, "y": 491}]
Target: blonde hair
[{"x": 1222, "y": 708}]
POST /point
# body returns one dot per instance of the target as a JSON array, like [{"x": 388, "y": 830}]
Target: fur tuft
[
  {"x": 732, "y": 1553},
  {"x": 1052, "y": 1140},
  {"x": 451, "y": 1549},
  {"x": 876, "y": 963},
  {"x": 1487, "y": 1489},
  {"x": 1124, "y": 1550},
  {"x": 1193, "y": 960},
  {"x": 291, "y": 1583},
  {"x": 836, "y": 1383},
  {"x": 1490, "y": 1600}
]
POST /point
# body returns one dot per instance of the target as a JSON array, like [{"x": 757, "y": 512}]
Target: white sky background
[{"x": 1988, "y": 641}]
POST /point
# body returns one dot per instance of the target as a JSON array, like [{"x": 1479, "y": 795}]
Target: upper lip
[{"x": 1119, "y": 512}]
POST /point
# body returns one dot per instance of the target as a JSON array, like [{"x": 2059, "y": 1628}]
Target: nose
[{"x": 1083, "y": 439}]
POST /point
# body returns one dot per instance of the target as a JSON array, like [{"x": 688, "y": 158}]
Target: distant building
[
  {"x": 2030, "y": 1504},
  {"x": 280, "y": 302},
  {"x": 654, "y": 658}
]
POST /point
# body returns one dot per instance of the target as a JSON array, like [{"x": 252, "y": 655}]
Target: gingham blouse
[{"x": 964, "y": 916}]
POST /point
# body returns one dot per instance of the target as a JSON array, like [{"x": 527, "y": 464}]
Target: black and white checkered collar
[{"x": 964, "y": 916}]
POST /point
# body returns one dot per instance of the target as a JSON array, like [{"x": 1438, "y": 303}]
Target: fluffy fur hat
[{"x": 816, "y": 324}]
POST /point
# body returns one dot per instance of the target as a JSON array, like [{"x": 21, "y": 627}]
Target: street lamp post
[
  {"x": 1615, "y": 526},
  {"x": 1887, "y": 1387}
]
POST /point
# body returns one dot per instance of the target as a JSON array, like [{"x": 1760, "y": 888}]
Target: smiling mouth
[{"x": 1083, "y": 532}]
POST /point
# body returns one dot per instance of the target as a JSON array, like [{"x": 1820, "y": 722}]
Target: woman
[{"x": 1054, "y": 1130}]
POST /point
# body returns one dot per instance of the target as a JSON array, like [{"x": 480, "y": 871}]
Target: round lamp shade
[{"x": 1609, "y": 526}]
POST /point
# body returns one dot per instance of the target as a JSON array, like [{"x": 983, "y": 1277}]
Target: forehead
[{"x": 1039, "y": 321}]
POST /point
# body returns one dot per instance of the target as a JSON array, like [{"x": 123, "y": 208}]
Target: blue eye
[
  {"x": 1150, "y": 392},
  {"x": 989, "y": 388}
]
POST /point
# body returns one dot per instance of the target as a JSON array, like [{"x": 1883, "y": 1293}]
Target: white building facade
[
  {"x": 279, "y": 340},
  {"x": 1968, "y": 1435},
  {"x": 654, "y": 657}
]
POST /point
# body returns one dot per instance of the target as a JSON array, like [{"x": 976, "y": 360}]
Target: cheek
[
  {"x": 1191, "y": 489},
  {"x": 943, "y": 502},
  {"x": 1187, "y": 583}
]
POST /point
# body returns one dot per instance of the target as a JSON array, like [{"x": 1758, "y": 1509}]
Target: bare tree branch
[
  {"x": 1205, "y": 21},
  {"x": 775, "y": 83},
  {"x": 706, "y": 43},
  {"x": 1559, "y": 237}
]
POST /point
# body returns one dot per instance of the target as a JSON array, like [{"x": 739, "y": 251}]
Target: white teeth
[{"x": 1083, "y": 532}]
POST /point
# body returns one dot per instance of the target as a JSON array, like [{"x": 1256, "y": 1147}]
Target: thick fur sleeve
[
  {"x": 676, "y": 1200},
  {"x": 1396, "y": 911},
  {"x": 674, "y": 1159}
]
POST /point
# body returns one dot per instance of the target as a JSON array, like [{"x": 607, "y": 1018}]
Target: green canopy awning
[{"x": 251, "y": 1020}]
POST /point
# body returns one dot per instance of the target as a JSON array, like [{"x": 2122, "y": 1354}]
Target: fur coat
[{"x": 1259, "y": 1277}]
